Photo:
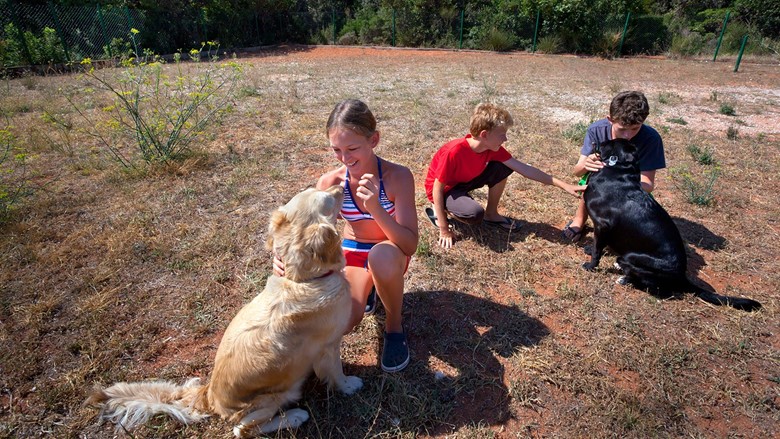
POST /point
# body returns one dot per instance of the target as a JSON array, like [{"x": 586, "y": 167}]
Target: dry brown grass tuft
[{"x": 109, "y": 275}]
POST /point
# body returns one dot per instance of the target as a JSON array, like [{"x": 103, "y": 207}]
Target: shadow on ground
[
  {"x": 500, "y": 240},
  {"x": 698, "y": 235},
  {"x": 454, "y": 379}
]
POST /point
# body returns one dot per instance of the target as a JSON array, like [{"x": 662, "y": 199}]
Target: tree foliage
[{"x": 574, "y": 26}]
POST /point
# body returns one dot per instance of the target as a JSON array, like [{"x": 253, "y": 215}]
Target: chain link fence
[
  {"x": 39, "y": 34},
  {"x": 42, "y": 34}
]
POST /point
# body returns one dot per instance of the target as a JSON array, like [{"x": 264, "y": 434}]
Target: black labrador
[{"x": 634, "y": 226}]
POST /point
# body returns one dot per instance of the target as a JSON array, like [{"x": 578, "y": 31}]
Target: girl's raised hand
[{"x": 368, "y": 192}]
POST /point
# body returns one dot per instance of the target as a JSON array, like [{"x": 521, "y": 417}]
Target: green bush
[
  {"x": 701, "y": 156},
  {"x": 709, "y": 21},
  {"x": 549, "y": 44},
  {"x": 764, "y": 14},
  {"x": 497, "y": 40},
  {"x": 647, "y": 34},
  {"x": 606, "y": 45},
  {"x": 699, "y": 190},
  {"x": 688, "y": 44},
  {"x": 576, "y": 133},
  {"x": 42, "y": 48},
  {"x": 370, "y": 26}
]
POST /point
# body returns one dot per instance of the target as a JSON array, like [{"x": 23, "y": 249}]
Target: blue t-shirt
[{"x": 647, "y": 141}]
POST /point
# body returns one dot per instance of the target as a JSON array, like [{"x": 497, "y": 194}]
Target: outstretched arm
[
  {"x": 535, "y": 174},
  {"x": 587, "y": 163}
]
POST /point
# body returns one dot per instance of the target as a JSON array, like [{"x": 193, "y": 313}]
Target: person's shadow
[
  {"x": 500, "y": 240},
  {"x": 454, "y": 378}
]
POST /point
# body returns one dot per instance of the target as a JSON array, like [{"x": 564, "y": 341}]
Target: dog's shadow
[
  {"x": 500, "y": 240},
  {"x": 454, "y": 378},
  {"x": 699, "y": 236}
]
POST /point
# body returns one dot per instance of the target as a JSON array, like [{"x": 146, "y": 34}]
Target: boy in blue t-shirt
[{"x": 627, "y": 114}]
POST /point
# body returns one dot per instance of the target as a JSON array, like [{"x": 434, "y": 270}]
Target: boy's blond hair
[{"x": 488, "y": 116}]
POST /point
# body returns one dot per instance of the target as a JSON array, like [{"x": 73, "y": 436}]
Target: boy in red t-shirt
[{"x": 472, "y": 162}]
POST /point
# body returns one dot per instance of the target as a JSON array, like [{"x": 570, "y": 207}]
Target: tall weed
[
  {"x": 14, "y": 180},
  {"x": 160, "y": 111}
]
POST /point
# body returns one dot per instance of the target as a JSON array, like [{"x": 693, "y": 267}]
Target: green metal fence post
[
  {"x": 333, "y": 22},
  {"x": 623, "y": 37},
  {"x": 56, "y": 19},
  {"x": 720, "y": 38},
  {"x": 20, "y": 36},
  {"x": 393, "y": 27},
  {"x": 741, "y": 50},
  {"x": 536, "y": 31},
  {"x": 203, "y": 25},
  {"x": 102, "y": 24},
  {"x": 460, "y": 42},
  {"x": 129, "y": 20}
]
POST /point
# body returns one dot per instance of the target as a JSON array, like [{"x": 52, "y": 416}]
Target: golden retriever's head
[{"x": 303, "y": 234}]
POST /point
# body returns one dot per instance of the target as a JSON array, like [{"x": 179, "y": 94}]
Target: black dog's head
[{"x": 617, "y": 151}]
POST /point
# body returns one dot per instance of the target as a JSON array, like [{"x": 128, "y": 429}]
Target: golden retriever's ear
[
  {"x": 278, "y": 220},
  {"x": 324, "y": 242}
]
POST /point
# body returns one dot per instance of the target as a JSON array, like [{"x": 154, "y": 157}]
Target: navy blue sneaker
[
  {"x": 372, "y": 302},
  {"x": 395, "y": 354}
]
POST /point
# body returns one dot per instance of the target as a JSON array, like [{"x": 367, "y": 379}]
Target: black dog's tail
[{"x": 720, "y": 300}]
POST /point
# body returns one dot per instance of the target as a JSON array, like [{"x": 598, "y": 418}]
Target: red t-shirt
[{"x": 456, "y": 162}]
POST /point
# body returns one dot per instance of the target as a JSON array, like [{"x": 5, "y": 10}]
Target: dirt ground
[{"x": 110, "y": 276}]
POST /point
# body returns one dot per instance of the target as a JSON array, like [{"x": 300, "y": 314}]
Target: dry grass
[{"x": 108, "y": 275}]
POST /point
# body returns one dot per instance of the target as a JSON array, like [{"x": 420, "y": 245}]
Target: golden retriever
[{"x": 293, "y": 327}]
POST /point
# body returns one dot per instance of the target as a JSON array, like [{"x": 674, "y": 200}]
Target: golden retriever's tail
[{"x": 130, "y": 405}]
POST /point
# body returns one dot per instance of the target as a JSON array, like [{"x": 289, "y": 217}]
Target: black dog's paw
[{"x": 588, "y": 266}]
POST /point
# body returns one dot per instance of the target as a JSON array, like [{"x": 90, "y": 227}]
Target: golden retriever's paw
[
  {"x": 350, "y": 385},
  {"x": 289, "y": 419}
]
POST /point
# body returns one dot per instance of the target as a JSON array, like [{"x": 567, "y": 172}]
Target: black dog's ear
[
  {"x": 628, "y": 151},
  {"x": 623, "y": 150}
]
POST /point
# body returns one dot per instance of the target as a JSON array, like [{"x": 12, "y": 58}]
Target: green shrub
[
  {"x": 709, "y": 21},
  {"x": 497, "y": 40},
  {"x": 732, "y": 133},
  {"x": 727, "y": 109},
  {"x": 701, "y": 156},
  {"x": 576, "y": 133},
  {"x": 687, "y": 44},
  {"x": 696, "y": 190},
  {"x": 549, "y": 44},
  {"x": 607, "y": 43},
  {"x": 11, "y": 49},
  {"x": 118, "y": 48},
  {"x": 42, "y": 48},
  {"x": 764, "y": 14},
  {"x": 647, "y": 34}
]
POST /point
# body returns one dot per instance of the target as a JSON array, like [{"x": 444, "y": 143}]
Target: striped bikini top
[{"x": 350, "y": 211}]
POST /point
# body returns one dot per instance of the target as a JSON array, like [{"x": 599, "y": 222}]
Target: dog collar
[{"x": 324, "y": 275}]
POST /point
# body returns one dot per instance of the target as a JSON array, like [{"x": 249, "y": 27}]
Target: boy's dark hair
[{"x": 629, "y": 108}]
